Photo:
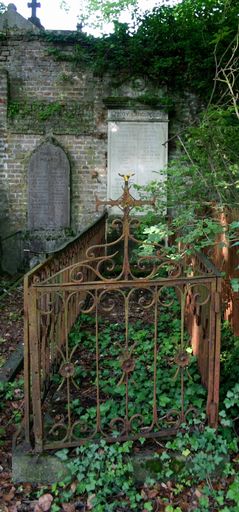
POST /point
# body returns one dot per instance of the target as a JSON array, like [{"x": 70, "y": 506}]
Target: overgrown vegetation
[
  {"x": 198, "y": 463},
  {"x": 10, "y": 393},
  {"x": 191, "y": 47},
  {"x": 196, "y": 470},
  {"x": 172, "y": 46},
  {"x": 201, "y": 187},
  {"x": 112, "y": 382},
  {"x": 55, "y": 111}
]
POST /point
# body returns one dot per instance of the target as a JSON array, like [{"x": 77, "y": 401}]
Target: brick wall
[
  {"x": 36, "y": 81},
  {"x": 47, "y": 97},
  {"x": 4, "y": 198}
]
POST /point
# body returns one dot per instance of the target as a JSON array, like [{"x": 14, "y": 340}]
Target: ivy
[
  {"x": 104, "y": 474},
  {"x": 41, "y": 110},
  {"x": 172, "y": 45},
  {"x": 202, "y": 183},
  {"x": 69, "y": 114}
]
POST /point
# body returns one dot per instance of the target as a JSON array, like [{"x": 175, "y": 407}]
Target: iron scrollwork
[{"x": 110, "y": 280}]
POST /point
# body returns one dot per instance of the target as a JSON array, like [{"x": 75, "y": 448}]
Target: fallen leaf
[
  {"x": 8, "y": 497},
  {"x": 45, "y": 502},
  {"x": 4, "y": 475},
  {"x": 89, "y": 502},
  {"x": 13, "y": 508},
  {"x": 3, "y": 508},
  {"x": 68, "y": 507},
  {"x": 143, "y": 494},
  {"x": 27, "y": 488},
  {"x": 37, "y": 508},
  {"x": 198, "y": 493},
  {"x": 73, "y": 487},
  {"x": 152, "y": 493}
]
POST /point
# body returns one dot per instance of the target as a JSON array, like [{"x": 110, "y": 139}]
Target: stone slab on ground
[
  {"x": 47, "y": 468},
  {"x": 36, "y": 468},
  {"x": 13, "y": 364}
]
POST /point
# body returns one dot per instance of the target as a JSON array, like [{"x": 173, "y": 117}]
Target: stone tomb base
[
  {"x": 47, "y": 468},
  {"x": 36, "y": 468},
  {"x": 41, "y": 243}
]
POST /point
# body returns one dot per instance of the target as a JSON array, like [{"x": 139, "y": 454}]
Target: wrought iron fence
[
  {"x": 51, "y": 329},
  {"x": 106, "y": 381},
  {"x": 225, "y": 257}
]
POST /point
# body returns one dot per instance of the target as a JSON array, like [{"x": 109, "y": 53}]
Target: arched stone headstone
[{"x": 48, "y": 188}]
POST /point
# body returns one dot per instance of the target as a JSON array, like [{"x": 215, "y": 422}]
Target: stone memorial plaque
[
  {"x": 136, "y": 144},
  {"x": 49, "y": 188}
]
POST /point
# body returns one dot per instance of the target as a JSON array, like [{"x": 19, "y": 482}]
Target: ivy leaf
[
  {"x": 148, "y": 506},
  {"x": 62, "y": 454},
  {"x": 235, "y": 284}
]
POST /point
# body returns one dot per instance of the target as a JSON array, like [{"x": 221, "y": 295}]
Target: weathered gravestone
[
  {"x": 11, "y": 19},
  {"x": 48, "y": 189},
  {"x": 136, "y": 143}
]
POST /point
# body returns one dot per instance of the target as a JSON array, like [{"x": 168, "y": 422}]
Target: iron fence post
[{"x": 35, "y": 369}]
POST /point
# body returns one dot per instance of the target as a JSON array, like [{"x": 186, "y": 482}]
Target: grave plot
[
  {"x": 129, "y": 369},
  {"x": 123, "y": 380}
]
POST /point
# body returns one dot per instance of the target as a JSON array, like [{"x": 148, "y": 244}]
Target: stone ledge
[{"x": 10, "y": 368}]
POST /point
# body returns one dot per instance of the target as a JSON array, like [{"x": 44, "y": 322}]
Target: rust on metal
[
  {"x": 103, "y": 280},
  {"x": 182, "y": 358}
]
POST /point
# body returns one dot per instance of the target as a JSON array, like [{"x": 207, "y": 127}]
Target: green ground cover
[{"x": 196, "y": 470}]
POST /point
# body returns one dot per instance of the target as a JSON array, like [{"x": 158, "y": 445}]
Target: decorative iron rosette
[
  {"x": 67, "y": 370},
  {"x": 182, "y": 358}
]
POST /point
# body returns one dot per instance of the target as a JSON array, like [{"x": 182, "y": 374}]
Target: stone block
[{"x": 36, "y": 468}]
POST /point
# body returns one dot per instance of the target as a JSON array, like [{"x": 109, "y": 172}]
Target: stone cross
[{"x": 34, "y": 5}]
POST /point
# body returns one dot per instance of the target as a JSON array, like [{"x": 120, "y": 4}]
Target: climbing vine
[{"x": 172, "y": 46}]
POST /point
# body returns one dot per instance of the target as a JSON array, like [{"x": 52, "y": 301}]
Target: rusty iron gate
[{"x": 114, "y": 360}]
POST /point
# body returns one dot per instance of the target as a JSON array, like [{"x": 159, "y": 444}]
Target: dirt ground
[{"x": 11, "y": 319}]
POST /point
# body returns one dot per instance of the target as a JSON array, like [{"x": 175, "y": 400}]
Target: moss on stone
[{"x": 62, "y": 117}]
